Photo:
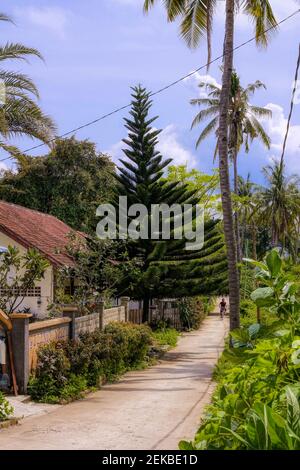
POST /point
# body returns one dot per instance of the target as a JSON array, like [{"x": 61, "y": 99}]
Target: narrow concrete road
[{"x": 149, "y": 409}]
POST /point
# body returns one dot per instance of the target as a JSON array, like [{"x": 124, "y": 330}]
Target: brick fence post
[
  {"x": 100, "y": 309},
  {"x": 70, "y": 311},
  {"x": 20, "y": 342},
  {"x": 125, "y": 304}
]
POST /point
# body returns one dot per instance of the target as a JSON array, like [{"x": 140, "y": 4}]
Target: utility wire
[
  {"x": 291, "y": 110},
  {"x": 161, "y": 90}
]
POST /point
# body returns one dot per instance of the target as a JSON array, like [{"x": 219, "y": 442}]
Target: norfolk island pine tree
[{"x": 167, "y": 268}]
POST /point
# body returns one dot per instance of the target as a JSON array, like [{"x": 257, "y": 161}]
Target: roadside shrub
[
  {"x": 52, "y": 373},
  {"x": 247, "y": 308},
  {"x": 133, "y": 339},
  {"x": 6, "y": 410},
  {"x": 193, "y": 310},
  {"x": 66, "y": 369}
]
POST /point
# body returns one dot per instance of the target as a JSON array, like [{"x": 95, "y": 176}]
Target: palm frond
[
  {"x": 260, "y": 112},
  {"x": 197, "y": 22},
  {"x": 14, "y": 80},
  {"x": 204, "y": 114},
  {"x": 212, "y": 126},
  {"x": 4, "y": 17},
  {"x": 252, "y": 87},
  {"x": 261, "y": 133},
  {"x": 204, "y": 102},
  {"x": 18, "y": 51},
  {"x": 174, "y": 8},
  {"x": 261, "y": 13}
]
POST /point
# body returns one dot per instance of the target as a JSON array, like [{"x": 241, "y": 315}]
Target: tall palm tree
[
  {"x": 19, "y": 112},
  {"x": 244, "y": 124},
  {"x": 196, "y": 21},
  {"x": 279, "y": 204},
  {"x": 250, "y": 219}
]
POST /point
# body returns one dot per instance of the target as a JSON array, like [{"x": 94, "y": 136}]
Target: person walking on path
[{"x": 223, "y": 308}]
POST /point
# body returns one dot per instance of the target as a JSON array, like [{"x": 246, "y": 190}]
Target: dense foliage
[
  {"x": 166, "y": 265},
  {"x": 99, "y": 268},
  {"x": 69, "y": 183},
  {"x": 256, "y": 403},
  {"x": 193, "y": 311},
  {"x": 66, "y": 369}
]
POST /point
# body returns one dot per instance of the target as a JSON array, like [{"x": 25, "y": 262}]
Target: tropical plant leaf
[
  {"x": 185, "y": 445},
  {"x": 274, "y": 262},
  {"x": 263, "y": 297},
  {"x": 293, "y": 411},
  {"x": 254, "y": 330},
  {"x": 295, "y": 357}
]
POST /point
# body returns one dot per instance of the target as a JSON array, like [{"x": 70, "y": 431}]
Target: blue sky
[{"x": 94, "y": 51}]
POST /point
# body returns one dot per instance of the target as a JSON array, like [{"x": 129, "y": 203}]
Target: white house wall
[{"x": 37, "y": 305}]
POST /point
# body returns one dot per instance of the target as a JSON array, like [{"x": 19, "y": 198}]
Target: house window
[
  {"x": 68, "y": 290},
  {"x": 31, "y": 292}
]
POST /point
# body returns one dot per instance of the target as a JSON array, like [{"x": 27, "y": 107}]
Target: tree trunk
[
  {"x": 236, "y": 213},
  {"x": 242, "y": 240},
  {"x": 146, "y": 302},
  {"x": 258, "y": 317},
  {"x": 254, "y": 241},
  {"x": 233, "y": 274}
]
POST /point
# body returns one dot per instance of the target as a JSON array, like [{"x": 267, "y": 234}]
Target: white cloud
[
  {"x": 193, "y": 83},
  {"x": 169, "y": 146},
  {"x": 115, "y": 151},
  {"x": 54, "y": 19},
  {"x": 276, "y": 128},
  {"x": 3, "y": 167}
]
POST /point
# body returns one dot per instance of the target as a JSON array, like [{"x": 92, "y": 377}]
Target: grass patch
[{"x": 166, "y": 337}]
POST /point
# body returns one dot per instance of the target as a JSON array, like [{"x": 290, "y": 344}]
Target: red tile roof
[{"x": 33, "y": 229}]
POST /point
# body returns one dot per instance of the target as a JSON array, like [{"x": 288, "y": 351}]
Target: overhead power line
[
  {"x": 160, "y": 90},
  {"x": 296, "y": 84}
]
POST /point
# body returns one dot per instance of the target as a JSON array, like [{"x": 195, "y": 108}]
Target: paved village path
[{"x": 149, "y": 409}]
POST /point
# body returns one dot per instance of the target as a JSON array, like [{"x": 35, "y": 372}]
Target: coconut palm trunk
[
  {"x": 254, "y": 241},
  {"x": 236, "y": 214},
  {"x": 233, "y": 274}
]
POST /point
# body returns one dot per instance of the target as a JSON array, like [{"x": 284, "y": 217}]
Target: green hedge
[
  {"x": 193, "y": 311},
  {"x": 66, "y": 369}
]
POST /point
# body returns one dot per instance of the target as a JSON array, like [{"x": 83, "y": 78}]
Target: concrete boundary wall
[{"x": 28, "y": 337}]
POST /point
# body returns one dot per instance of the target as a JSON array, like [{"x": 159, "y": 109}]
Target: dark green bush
[
  {"x": 134, "y": 340},
  {"x": 193, "y": 310},
  {"x": 66, "y": 369},
  {"x": 52, "y": 373},
  {"x": 247, "y": 308}
]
